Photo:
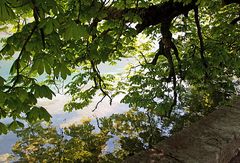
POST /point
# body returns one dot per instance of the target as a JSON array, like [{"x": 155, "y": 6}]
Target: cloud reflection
[{"x": 64, "y": 119}]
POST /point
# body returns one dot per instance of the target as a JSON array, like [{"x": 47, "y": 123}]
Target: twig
[
  {"x": 145, "y": 59},
  {"x": 98, "y": 103},
  {"x": 98, "y": 124}
]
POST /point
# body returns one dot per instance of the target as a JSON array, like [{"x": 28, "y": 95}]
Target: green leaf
[
  {"x": 6, "y": 13},
  {"x": 2, "y": 80},
  {"x": 15, "y": 125},
  {"x": 40, "y": 68},
  {"x": 33, "y": 114},
  {"x": 64, "y": 72},
  {"x": 22, "y": 94},
  {"x": 31, "y": 99},
  {"x": 3, "y": 128},
  {"x": 75, "y": 31},
  {"x": 47, "y": 68},
  {"x": 38, "y": 113},
  {"x": 48, "y": 27},
  {"x": 13, "y": 68},
  {"x": 43, "y": 114},
  {"x": 35, "y": 66},
  {"x": 3, "y": 113},
  {"x": 47, "y": 91},
  {"x": 7, "y": 50},
  {"x": 42, "y": 91},
  {"x": 82, "y": 31},
  {"x": 30, "y": 46},
  {"x": 56, "y": 70},
  {"x": 20, "y": 124}
]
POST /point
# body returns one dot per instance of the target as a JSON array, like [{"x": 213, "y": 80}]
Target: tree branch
[
  {"x": 99, "y": 103},
  {"x": 152, "y": 15},
  {"x": 99, "y": 83},
  {"x": 178, "y": 59},
  {"x": 227, "y": 2},
  {"x": 160, "y": 52},
  {"x": 17, "y": 61},
  {"x": 36, "y": 18},
  {"x": 199, "y": 31}
]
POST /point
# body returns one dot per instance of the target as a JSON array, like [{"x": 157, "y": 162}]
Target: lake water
[{"x": 55, "y": 106}]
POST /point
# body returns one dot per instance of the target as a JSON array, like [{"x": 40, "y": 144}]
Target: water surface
[{"x": 55, "y": 106}]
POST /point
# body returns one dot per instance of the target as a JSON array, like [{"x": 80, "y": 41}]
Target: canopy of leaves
[{"x": 187, "y": 64}]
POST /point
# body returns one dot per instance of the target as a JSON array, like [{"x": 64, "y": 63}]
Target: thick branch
[
  {"x": 165, "y": 46},
  {"x": 227, "y": 2},
  {"x": 154, "y": 14}
]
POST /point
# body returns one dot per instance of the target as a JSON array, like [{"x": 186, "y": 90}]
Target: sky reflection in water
[{"x": 55, "y": 106}]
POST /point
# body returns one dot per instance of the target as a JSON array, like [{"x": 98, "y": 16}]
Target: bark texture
[{"x": 214, "y": 139}]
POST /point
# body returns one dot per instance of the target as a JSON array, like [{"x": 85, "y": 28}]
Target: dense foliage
[{"x": 186, "y": 62}]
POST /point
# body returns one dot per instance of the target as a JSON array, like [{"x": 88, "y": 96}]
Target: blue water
[{"x": 55, "y": 106}]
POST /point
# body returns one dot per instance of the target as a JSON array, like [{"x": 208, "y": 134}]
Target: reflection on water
[
  {"x": 55, "y": 106},
  {"x": 6, "y": 142},
  {"x": 63, "y": 119}
]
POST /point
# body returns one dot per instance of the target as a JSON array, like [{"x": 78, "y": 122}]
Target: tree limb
[
  {"x": 227, "y": 2},
  {"x": 199, "y": 31},
  {"x": 152, "y": 15}
]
